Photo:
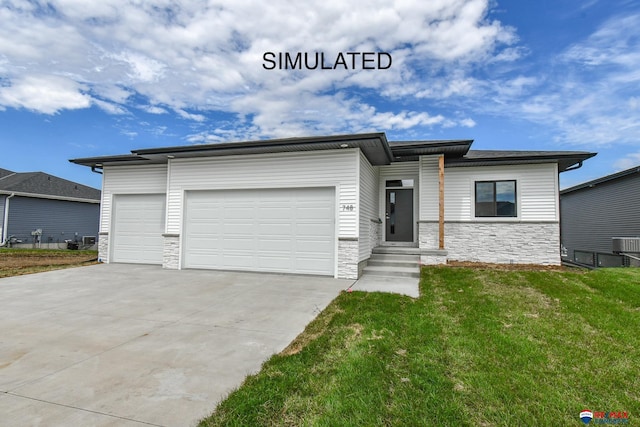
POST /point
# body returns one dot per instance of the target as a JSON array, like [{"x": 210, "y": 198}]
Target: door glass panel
[
  {"x": 392, "y": 211},
  {"x": 399, "y": 183}
]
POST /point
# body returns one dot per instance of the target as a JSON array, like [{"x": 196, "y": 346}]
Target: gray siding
[
  {"x": 590, "y": 217},
  {"x": 58, "y": 219}
]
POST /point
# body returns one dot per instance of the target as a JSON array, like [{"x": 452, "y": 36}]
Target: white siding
[
  {"x": 429, "y": 200},
  {"x": 332, "y": 168},
  {"x": 536, "y": 188},
  {"x": 139, "y": 179},
  {"x": 368, "y": 206}
]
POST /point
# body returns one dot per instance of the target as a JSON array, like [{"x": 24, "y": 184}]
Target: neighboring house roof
[
  {"x": 374, "y": 146},
  {"x": 5, "y": 172},
  {"x": 613, "y": 177},
  {"x": 40, "y": 184}
]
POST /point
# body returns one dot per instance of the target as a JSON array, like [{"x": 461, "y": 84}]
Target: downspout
[
  {"x": 5, "y": 222},
  {"x": 574, "y": 167}
]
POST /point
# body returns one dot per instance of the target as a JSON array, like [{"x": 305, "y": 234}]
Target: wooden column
[{"x": 441, "y": 202}]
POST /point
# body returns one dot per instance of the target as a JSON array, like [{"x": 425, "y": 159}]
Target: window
[
  {"x": 399, "y": 183},
  {"x": 496, "y": 199}
]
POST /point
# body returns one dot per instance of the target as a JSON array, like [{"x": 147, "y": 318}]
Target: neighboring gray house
[
  {"x": 320, "y": 205},
  {"x": 44, "y": 210},
  {"x": 594, "y": 212}
]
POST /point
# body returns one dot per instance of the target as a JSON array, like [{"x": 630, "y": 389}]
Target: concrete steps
[{"x": 394, "y": 262}]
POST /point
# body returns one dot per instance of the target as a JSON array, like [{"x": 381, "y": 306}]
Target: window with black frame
[{"x": 496, "y": 199}]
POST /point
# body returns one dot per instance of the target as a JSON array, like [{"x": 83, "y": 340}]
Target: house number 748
[{"x": 348, "y": 208}]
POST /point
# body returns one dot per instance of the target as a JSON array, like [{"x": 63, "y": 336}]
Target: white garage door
[
  {"x": 138, "y": 224},
  {"x": 275, "y": 230}
]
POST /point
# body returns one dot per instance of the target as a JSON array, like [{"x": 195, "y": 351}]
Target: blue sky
[{"x": 80, "y": 81}]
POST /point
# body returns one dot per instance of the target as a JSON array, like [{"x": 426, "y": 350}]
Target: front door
[{"x": 399, "y": 215}]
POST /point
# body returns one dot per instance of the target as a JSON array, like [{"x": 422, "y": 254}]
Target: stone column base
[
  {"x": 103, "y": 247},
  {"x": 348, "y": 258},
  {"x": 171, "y": 252}
]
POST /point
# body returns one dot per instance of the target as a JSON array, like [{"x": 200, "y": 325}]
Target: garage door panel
[
  {"x": 138, "y": 226},
  {"x": 232, "y": 228},
  {"x": 278, "y": 230}
]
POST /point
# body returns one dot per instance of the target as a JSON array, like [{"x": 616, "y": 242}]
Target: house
[
  {"x": 319, "y": 205},
  {"x": 594, "y": 212},
  {"x": 43, "y": 210}
]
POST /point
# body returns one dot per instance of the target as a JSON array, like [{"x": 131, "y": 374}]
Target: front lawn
[
  {"x": 480, "y": 347},
  {"x": 15, "y": 262}
]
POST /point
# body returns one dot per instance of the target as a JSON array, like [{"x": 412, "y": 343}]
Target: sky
[{"x": 84, "y": 79}]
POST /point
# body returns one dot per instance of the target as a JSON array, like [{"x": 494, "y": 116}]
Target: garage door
[
  {"x": 275, "y": 230},
  {"x": 138, "y": 224}
]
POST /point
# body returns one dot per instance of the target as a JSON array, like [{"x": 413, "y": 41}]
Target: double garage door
[{"x": 273, "y": 230}]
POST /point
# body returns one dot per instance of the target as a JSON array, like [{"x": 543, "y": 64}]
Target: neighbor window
[{"x": 496, "y": 199}]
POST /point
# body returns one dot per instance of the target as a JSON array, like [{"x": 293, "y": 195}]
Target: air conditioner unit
[
  {"x": 625, "y": 244},
  {"x": 88, "y": 240}
]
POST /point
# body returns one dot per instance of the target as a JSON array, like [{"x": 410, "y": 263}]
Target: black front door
[{"x": 399, "y": 215}]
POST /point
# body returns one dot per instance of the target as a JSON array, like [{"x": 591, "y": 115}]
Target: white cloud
[
  {"x": 192, "y": 58},
  {"x": 153, "y": 109},
  {"x": 110, "y": 107},
  {"x": 628, "y": 162},
  {"x": 588, "y": 95},
  {"x": 44, "y": 93}
]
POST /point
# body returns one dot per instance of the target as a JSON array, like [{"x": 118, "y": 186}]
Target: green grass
[
  {"x": 15, "y": 262},
  {"x": 479, "y": 347}
]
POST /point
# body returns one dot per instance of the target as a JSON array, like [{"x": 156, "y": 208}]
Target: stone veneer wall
[
  {"x": 428, "y": 235},
  {"x": 497, "y": 242},
  {"x": 348, "y": 258},
  {"x": 375, "y": 233},
  {"x": 171, "y": 251},
  {"x": 103, "y": 247}
]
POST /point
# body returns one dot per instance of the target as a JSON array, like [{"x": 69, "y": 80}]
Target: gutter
[
  {"x": 50, "y": 197},
  {"x": 5, "y": 223}
]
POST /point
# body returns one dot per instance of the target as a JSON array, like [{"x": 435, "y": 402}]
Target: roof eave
[
  {"x": 564, "y": 161},
  {"x": 373, "y": 145}
]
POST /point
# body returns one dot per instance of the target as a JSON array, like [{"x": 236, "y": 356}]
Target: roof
[
  {"x": 374, "y": 146},
  {"x": 40, "y": 184},
  {"x": 605, "y": 179},
  {"x": 5, "y": 172},
  {"x": 566, "y": 159}
]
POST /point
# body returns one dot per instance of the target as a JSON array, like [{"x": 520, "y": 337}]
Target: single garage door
[
  {"x": 274, "y": 230},
  {"x": 138, "y": 224}
]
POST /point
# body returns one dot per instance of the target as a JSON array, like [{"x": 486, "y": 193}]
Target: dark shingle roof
[
  {"x": 5, "y": 172},
  {"x": 614, "y": 176},
  {"x": 42, "y": 184},
  {"x": 374, "y": 146}
]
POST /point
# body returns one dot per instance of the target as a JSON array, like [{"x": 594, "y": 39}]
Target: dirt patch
[
  {"x": 18, "y": 262},
  {"x": 507, "y": 267}
]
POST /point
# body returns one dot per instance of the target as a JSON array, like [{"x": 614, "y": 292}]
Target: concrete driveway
[{"x": 131, "y": 345}]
